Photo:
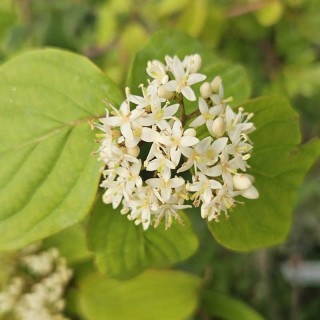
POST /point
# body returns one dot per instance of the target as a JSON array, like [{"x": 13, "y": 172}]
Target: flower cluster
[
  {"x": 159, "y": 160},
  {"x": 35, "y": 291}
]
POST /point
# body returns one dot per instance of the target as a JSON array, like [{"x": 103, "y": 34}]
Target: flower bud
[
  {"x": 164, "y": 93},
  {"x": 218, "y": 127},
  {"x": 205, "y": 90},
  {"x": 250, "y": 193},
  {"x": 196, "y": 65},
  {"x": 241, "y": 181},
  {"x": 215, "y": 84},
  {"x": 190, "y": 132}
]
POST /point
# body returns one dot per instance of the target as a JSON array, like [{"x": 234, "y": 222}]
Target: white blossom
[
  {"x": 207, "y": 115},
  {"x": 149, "y": 144},
  {"x": 183, "y": 80},
  {"x": 177, "y": 140},
  {"x": 38, "y": 292}
]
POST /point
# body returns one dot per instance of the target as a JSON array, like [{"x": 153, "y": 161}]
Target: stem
[
  {"x": 183, "y": 116},
  {"x": 192, "y": 115},
  {"x": 179, "y": 99}
]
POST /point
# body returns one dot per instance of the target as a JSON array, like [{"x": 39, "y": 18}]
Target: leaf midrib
[{"x": 50, "y": 134}]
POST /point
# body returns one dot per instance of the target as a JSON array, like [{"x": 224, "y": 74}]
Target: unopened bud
[
  {"x": 218, "y": 127},
  {"x": 205, "y": 90},
  {"x": 196, "y": 65},
  {"x": 164, "y": 93},
  {"x": 215, "y": 84},
  {"x": 190, "y": 132},
  {"x": 241, "y": 181},
  {"x": 250, "y": 193}
]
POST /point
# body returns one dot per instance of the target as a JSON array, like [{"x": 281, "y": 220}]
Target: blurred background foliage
[{"x": 279, "y": 44}]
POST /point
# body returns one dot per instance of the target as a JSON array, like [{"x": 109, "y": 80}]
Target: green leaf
[
  {"x": 194, "y": 17},
  {"x": 279, "y": 167},
  {"x": 235, "y": 79},
  {"x": 155, "y": 295},
  {"x": 123, "y": 249},
  {"x": 227, "y": 308},
  {"x": 48, "y": 179},
  {"x": 71, "y": 244},
  {"x": 270, "y": 14}
]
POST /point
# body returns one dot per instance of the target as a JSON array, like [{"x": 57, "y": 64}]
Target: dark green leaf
[
  {"x": 71, "y": 244},
  {"x": 123, "y": 249},
  {"x": 279, "y": 167}
]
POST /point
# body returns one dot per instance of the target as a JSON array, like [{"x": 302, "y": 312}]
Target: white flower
[
  {"x": 157, "y": 71},
  {"x": 123, "y": 119},
  {"x": 177, "y": 141},
  {"x": 183, "y": 80},
  {"x": 168, "y": 211},
  {"x": 160, "y": 163},
  {"x": 130, "y": 176},
  {"x": 239, "y": 149},
  {"x": 115, "y": 191},
  {"x": 141, "y": 133},
  {"x": 39, "y": 296},
  {"x": 154, "y": 132},
  {"x": 164, "y": 184},
  {"x": 203, "y": 188},
  {"x": 195, "y": 155},
  {"x": 207, "y": 115},
  {"x": 158, "y": 116},
  {"x": 142, "y": 205}
]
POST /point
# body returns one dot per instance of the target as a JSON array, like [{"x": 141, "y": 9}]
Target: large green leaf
[
  {"x": 226, "y": 308},
  {"x": 48, "y": 179},
  {"x": 71, "y": 243},
  {"x": 155, "y": 295},
  {"x": 279, "y": 167},
  {"x": 123, "y": 249},
  {"x": 235, "y": 79}
]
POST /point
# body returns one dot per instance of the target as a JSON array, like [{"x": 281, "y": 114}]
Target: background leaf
[
  {"x": 279, "y": 166},
  {"x": 235, "y": 79},
  {"x": 71, "y": 244},
  {"x": 226, "y": 308},
  {"x": 123, "y": 249},
  {"x": 48, "y": 179},
  {"x": 156, "y": 295}
]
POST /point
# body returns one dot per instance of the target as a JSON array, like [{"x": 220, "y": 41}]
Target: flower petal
[
  {"x": 197, "y": 122},
  {"x": 187, "y": 141},
  {"x": 188, "y": 93},
  {"x": 149, "y": 135},
  {"x": 195, "y": 77}
]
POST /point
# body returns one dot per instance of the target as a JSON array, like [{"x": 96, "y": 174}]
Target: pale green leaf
[
  {"x": 123, "y": 249},
  {"x": 48, "y": 177},
  {"x": 193, "y": 18},
  {"x": 227, "y": 308},
  {"x": 279, "y": 166},
  {"x": 156, "y": 295},
  {"x": 270, "y": 14},
  {"x": 71, "y": 244}
]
